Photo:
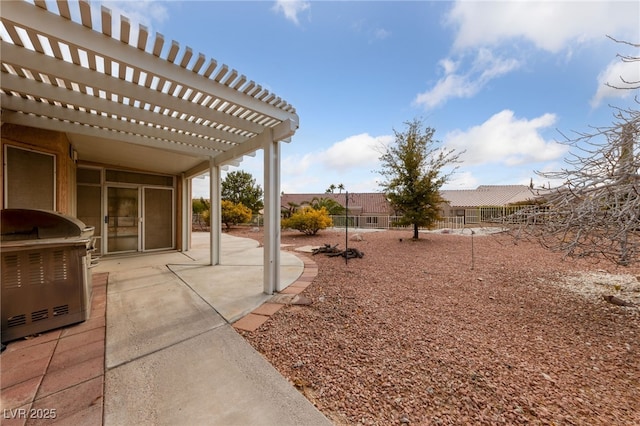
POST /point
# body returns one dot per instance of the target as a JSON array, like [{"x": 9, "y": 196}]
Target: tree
[
  {"x": 329, "y": 204},
  {"x": 240, "y": 187},
  {"x": 308, "y": 220},
  {"x": 333, "y": 187},
  {"x": 412, "y": 169},
  {"x": 233, "y": 214},
  {"x": 199, "y": 205},
  {"x": 290, "y": 209},
  {"x": 626, "y": 84},
  {"x": 202, "y": 210},
  {"x": 595, "y": 210}
]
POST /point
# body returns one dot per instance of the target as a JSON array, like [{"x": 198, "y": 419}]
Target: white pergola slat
[
  {"x": 134, "y": 79},
  {"x": 88, "y": 79}
]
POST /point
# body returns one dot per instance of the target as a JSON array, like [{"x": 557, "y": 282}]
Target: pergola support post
[
  {"x": 271, "y": 215},
  {"x": 216, "y": 212},
  {"x": 187, "y": 213}
]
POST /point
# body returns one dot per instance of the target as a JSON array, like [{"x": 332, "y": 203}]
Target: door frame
[
  {"x": 141, "y": 217},
  {"x": 144, "y": 222},
  {"x": 105, "y": 221}
]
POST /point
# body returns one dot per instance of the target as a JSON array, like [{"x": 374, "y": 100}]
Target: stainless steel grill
[{"x": 46, "y": 277}]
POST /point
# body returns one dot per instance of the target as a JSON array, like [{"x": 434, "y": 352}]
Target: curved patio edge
[{"x": 288, "y": 295}]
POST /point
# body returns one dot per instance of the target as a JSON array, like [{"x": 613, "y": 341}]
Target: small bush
[
  {"x": 233, "y": 214},
  {"x": 308, "y": 221},
  {"x": 205, "y": 216},
  {"x": 199, "y": 206}
]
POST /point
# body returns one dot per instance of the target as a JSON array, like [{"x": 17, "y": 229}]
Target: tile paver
[
  {"x": 26, "y": 363},
  {"x": 59, "y": 372},
  {"x": 250, "y": 322},
  {"x": 21, "y": 393},
  {"x": 73, "y": 400},
  {"x": 75, "y": 355},
  {"x": 289, "y": 295},
  {"x": 292, "y": 290},
  {"x": 301, "y": 284},
  {"x": 74, "y": 341},
  {"x": 63, "y": 369},
  {"x": 267, "y": 309}
]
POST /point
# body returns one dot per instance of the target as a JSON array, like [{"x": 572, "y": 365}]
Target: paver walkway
[{"x": 60, "y": 374}]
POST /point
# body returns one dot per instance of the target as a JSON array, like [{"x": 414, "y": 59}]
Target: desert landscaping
[{"x": 422, "y": 332}]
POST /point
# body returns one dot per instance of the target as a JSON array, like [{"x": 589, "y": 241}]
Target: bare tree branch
[{"x": 596, "y": 208}]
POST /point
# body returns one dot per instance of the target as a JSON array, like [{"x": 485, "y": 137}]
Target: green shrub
[
  {"x": 308, "y": 221},
  {"x": 199, "y": 206},
  {"x": 206, "y": 217},
  {"x": 233, "y": 214}
]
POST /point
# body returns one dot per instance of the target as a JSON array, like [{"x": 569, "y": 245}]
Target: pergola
[{"x": 136, "y": 101}]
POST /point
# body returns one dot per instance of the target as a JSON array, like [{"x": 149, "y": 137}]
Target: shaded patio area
[{"x": 168, "y": 350}]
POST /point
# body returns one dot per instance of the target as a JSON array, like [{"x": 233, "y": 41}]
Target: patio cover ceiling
[{"x": 125, "y": 100}]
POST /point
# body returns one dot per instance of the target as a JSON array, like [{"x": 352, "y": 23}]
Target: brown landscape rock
[{"x": 409, "y": 334}]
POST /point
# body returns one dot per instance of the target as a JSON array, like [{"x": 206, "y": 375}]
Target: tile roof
[
  {"x": 488, "y": 195},
  {"x": 372, "y": 203},
  {"x": 362, "y": 203}
]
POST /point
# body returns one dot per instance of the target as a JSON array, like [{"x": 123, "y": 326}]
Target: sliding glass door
[{"x": 123, "y": 219}]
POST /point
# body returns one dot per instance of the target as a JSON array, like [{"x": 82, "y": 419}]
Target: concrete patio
[{"x": 171, "y": 355}]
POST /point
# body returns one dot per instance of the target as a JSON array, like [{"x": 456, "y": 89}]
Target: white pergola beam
[
  {"x": 78, "y": 99},
  {"x": 106, "y": 127},
  {"x": 49, "y": 24},
  {"x": 197, "y": 170},
  {"x": 120, "y": 92},
  {"x": 281, "y": 132},
  {"x": 99, "y": 81},
  {"x": 80, "y": 129}
]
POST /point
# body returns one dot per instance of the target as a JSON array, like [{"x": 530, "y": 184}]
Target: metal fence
[
  {"x": 501, "y": 214},
  {"x": 391, "y": 222},
  {"x": 474, "y": 216}
]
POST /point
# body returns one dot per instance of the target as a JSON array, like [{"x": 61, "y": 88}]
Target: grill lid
[{"x": 29, "y": 224}]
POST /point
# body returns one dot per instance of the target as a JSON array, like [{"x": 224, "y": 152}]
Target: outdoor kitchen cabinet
[{"x": 46, "y": 276}]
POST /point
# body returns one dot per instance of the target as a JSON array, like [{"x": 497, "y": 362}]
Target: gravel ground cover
[{"x": 422, "y": 332}]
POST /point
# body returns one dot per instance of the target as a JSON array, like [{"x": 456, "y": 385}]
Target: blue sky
[{"x": 499, "y": 80}]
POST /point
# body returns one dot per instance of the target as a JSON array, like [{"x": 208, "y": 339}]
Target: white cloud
[
  {"x": 381, "y": 33},
  {"x": 291, "y": 8},
  {"x": 462, "y": 180},
  {"x": 507, "y": 140},
  {"x": 371, "y": 31},
  {"x": 484, "y": 68},
  {"x": 146, "y": 12},
  {"x": 350, "y": 161},
  {"x": 302, "y": 185},
  {"x": 549, "y": 25},
  {"x": 617, "y": 74},
  {"x": 357, "y": 151},
  {"x": 200, "y": 187},
  {"x": 296, "y": 165}
]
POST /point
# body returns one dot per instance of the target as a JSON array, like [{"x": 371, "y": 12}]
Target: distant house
[
  {"x": 466, "y": 202},
  {"x": 372, "y": 210},
  {"x": 360, "y": 204}
]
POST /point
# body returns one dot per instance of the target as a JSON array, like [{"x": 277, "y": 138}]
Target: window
[
  {"x": 123, "y": 176},
  {"x": 30, "y": 179}
]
